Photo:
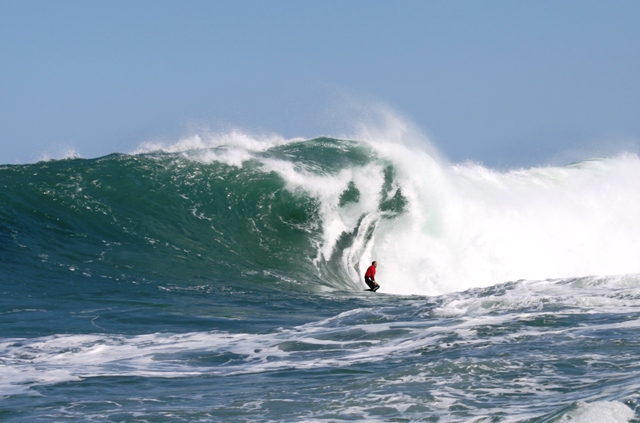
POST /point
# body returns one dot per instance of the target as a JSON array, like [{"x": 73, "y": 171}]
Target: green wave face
[{"x": 172, "y": 217}]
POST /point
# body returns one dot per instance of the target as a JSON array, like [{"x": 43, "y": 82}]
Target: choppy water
[{"x": 222, "y": 282}]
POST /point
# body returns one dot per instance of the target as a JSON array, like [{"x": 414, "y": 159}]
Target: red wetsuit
[
  {"x": 371, "y": 272},
  {"x": 370, "y": 278}
]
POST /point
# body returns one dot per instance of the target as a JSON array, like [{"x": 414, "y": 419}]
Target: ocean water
[{"x": 221, "y": 281}]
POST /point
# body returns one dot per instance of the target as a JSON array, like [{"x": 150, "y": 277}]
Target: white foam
[
  {"x": 479, "y": 227},
  {"x": 618, "y": 294},
  {"x": 598, "y": 412}
]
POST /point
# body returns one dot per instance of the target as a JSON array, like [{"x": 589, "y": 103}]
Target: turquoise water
[{"x": 222, "y": 282}]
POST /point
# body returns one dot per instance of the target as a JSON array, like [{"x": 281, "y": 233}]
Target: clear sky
[{"x": 506, "y": 83}]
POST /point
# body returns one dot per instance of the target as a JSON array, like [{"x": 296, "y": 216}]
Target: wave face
[{"x": 311, "y": 215}]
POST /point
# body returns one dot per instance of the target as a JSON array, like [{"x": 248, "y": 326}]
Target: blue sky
[{"x": 506, "y": 83}]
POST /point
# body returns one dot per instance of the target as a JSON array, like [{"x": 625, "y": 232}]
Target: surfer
[{"x": 370, "y": 277}]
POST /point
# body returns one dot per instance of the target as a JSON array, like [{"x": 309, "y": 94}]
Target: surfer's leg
[{"x": 369, "y": 283}]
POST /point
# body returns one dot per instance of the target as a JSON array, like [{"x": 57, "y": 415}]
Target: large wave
[
  {"x": 436, "y": 227},
  {"x": 309, "y": 214}
]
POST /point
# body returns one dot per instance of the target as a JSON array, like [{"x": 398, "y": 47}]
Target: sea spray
[{"x": 471, "y": 226}]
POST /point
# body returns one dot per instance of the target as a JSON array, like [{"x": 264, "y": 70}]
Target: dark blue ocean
[{"x": 221, "y": 281}]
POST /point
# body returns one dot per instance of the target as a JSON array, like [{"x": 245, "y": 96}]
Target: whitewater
[{"x": 219, "y": 278}]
